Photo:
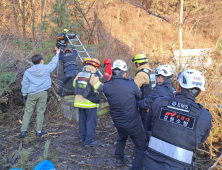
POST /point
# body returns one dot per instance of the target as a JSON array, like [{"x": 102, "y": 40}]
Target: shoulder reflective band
[
  {"x": 170, "y": 150},
  {"x": 96, "y": 86}
]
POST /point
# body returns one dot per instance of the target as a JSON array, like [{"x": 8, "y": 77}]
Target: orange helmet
[
  {"x": 107, "y": 61},
  {"x": 67, "y": 51},
  {"x": 85, "y": 60},
  {"x": 94, "y": 62}
]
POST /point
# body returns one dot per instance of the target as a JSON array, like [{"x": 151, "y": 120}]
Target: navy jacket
[
  {"x": 122, "y": 95},
  {"x": 69, "y": 61},
  {"x": 154, "y": 160},
  {"x": 163, "y": 90}
]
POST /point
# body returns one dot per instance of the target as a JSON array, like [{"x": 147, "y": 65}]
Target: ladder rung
[
  {"x": 77, "y": 45},
  {"x": 81, "y": 51},
  {"x": 74, "y": 39}
]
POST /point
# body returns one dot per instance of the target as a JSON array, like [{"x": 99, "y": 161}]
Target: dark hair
[
  {"x": 118, "y": 72},
  {"x": 37, "y": 58}
]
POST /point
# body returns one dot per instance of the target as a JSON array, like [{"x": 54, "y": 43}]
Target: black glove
[{"x": 24, "y": 98}]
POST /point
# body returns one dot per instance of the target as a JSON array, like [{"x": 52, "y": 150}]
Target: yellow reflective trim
[
  {"x": 96, "y": 86},
  {"x": 85, "y": 105}
]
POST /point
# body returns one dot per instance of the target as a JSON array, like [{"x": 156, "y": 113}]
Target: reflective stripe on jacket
[{"x": 80, "y": 101}]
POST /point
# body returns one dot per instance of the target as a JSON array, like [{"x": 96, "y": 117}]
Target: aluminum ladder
[{"x": 79, "y": 47}]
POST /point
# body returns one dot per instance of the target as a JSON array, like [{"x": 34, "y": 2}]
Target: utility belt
[{"x": 170, "y": 150}]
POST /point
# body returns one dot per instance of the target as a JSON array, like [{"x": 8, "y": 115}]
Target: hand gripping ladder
[{"x": 79, "y": 47}]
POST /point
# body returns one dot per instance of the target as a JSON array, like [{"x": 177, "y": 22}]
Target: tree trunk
[
  {"x": 181, "y": 28},
  {"x": 33, "y": 23},
  {"x": 4, "y": 13},
  {"x": 16, "y": 19},
  {"x": 22, "y": 11}
]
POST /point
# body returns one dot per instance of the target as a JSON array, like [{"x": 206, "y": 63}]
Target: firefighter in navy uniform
[
  {"x": 87, "y": 100},
  {"x": 142, "y": 79},
  {"x": 122, "y": 95},
  {"x": 179, "y": 126},
  {"x": 70, "y": 68},
  {"x": 163, "y": 86}
]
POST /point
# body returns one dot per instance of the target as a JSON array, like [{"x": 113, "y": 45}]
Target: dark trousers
[
  {"x": 67, "y": 76},
  {"x": 143, "y": 115},
  {"x": 138, "y": 137},
  {"x": 87, "y": 124}
]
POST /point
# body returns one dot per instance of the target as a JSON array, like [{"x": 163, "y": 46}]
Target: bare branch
[
  {"x": 84, "y": 16},
  {"x": 5, "y": 44},
  {"x": 147, "y": 10}
]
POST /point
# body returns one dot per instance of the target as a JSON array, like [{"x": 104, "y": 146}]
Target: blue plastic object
[{"x": 45, "y": 165}]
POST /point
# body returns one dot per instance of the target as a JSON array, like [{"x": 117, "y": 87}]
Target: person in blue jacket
[
  {"x": 163, "y": 88},
  {"x": 179, "y": 125},
  {"x": 122, "y": 95},
  {"x": 70, "y": 68}
]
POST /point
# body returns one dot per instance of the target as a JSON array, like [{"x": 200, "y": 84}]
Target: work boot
[
  {"x": 92, "y": 144},
  {"x": 21, "y": 135},
  {"x": 38, "y": 135},
  {"x": 119, "y": 162}
]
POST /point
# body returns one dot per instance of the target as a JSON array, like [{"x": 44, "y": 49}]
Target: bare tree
[
  {"x": 90, "y": 25},
  {"x": 33, "y": 22},
  {"x": 16, "y": 19},
  {"x": 180, "y": 27},
  {"x": 21, "y": 6}
]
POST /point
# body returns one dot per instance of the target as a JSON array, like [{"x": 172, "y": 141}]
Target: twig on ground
[
  {"x": 55, "y": 133},
  {"x": 14, "y": 157},
  {"x": 113, "y": 133},
  {"x": 78, "y": 156},
  {"x": 215, "y": 163}
]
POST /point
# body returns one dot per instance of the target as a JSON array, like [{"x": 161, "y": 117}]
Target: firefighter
[
  {"x": 62, "y": 40},
  {"x": 163, "y": 88},
  {"x": 142, "y": 79},
  {"x": 87, "y": 100},
  {"x": 84, "y": 62},
  {"x": 108, "y": 70},
  {"x": 70, "y": 68},
  {"x": 122, "y": 95},
  {"x": 179, "y": 125}
]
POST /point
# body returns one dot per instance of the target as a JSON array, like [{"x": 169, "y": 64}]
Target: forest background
[{"x": 116, "y": 29}]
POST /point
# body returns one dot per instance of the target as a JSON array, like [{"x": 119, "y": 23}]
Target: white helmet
[
  {"x": 120, "y": 64},
  {"x": 191, "y": 78},
  {"x": 164, "y": 70}
]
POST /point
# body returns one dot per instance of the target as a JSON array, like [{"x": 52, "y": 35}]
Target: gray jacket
[{"x": 37, "y": 78}]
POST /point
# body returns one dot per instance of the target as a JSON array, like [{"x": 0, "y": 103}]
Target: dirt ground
[{"x": 65, "y": 150}]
